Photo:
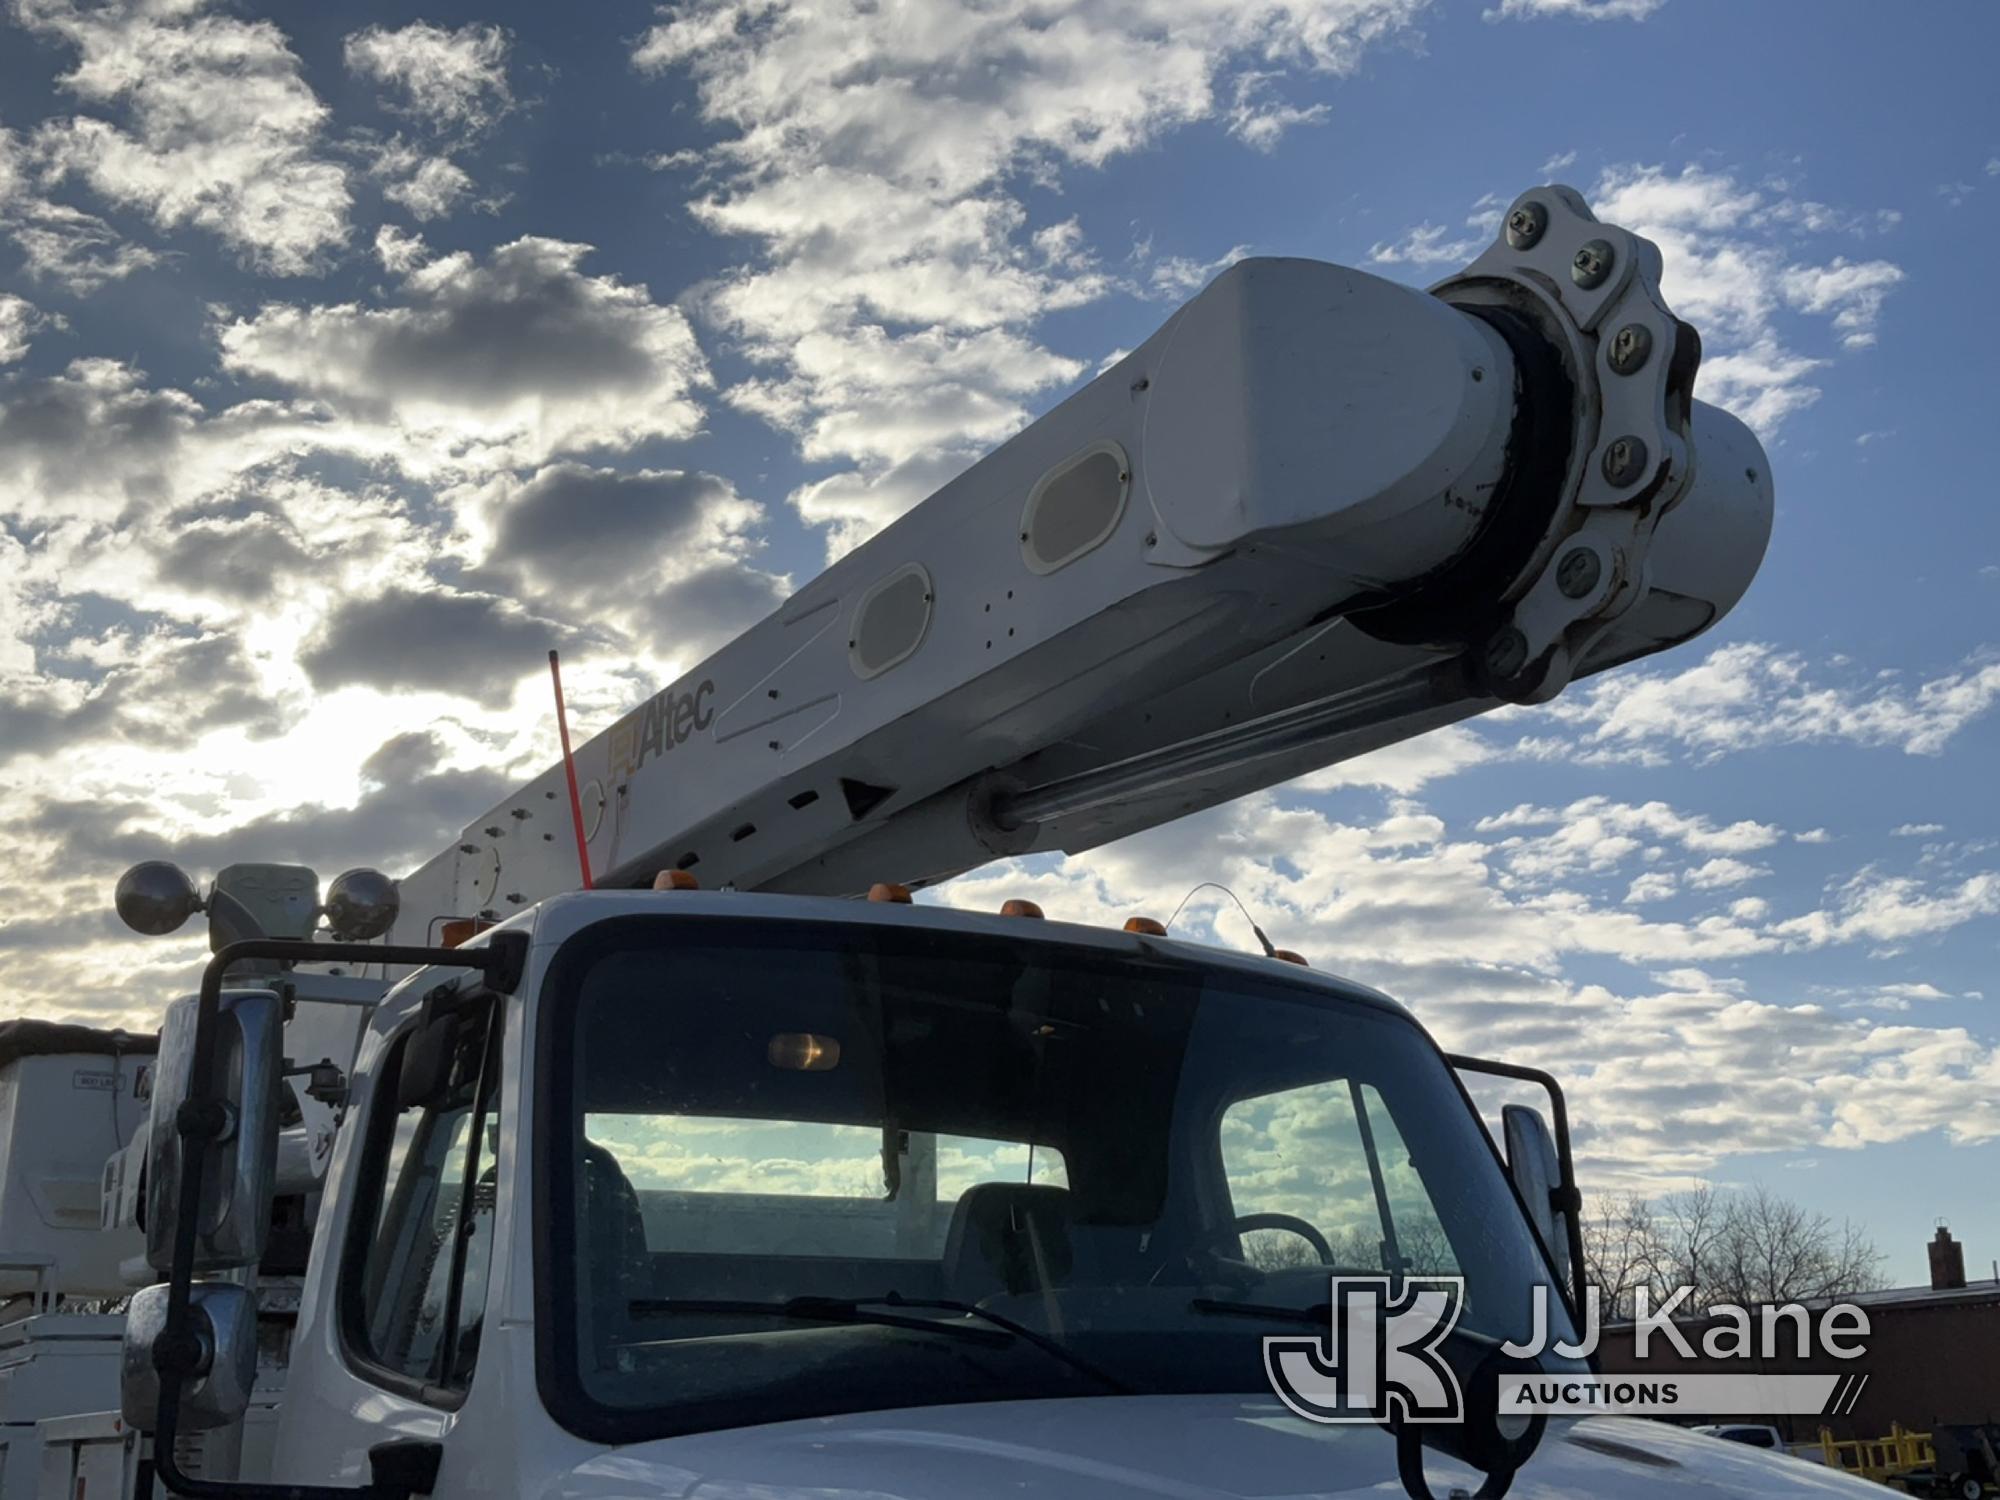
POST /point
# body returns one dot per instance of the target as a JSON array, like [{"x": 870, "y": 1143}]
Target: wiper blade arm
[
  {"x": 808, "y": 1309},
  {"x": 1320, "y": 1315},
  {"x": 1001, "y": 1330},
  {"x": 1055, "y": 1348}
]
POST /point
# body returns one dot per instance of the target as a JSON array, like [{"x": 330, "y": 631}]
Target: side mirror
[
  {"x": 1537, "y": 1172},
  {"x": 239, "y": 1174},
  {"x": 424, "y": 1078},
  {"x": 222, "y": 1321}
]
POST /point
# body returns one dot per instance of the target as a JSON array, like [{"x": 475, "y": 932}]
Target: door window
[
  {"x": 1329, "y": 1155},
  {"x": 424, "y": 1227}
]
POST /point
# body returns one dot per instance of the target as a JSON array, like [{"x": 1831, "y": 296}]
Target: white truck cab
[{"x": 784, "y": 1196}]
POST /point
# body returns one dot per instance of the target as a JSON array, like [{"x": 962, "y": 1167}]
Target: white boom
[{"x": 1316, "y": 513}]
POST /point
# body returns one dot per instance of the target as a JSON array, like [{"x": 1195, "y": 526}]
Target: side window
[
  {"x": 1329, "y": 1155},
  {"x": 415, "y": 1291}
]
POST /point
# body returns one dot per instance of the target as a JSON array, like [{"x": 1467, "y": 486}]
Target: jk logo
[{"x": 1380, "y": 1360}]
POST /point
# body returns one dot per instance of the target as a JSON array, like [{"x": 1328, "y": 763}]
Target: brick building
[{"x": 1933, "y": 1356}]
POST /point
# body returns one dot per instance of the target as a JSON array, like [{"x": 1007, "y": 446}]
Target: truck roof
[{"x": 559, "y": 917}]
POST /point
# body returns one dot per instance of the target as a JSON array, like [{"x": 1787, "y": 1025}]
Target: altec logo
[
  {"x": 1384, "y": 1360},
  {"x": 659, "y": 724}
]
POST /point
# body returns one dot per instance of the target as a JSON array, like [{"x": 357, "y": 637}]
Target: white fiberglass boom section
[{"x": 1316, "y": 513}]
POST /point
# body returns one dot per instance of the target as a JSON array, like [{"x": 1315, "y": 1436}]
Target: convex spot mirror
[
  {"x": 424, "y": 1077},
  {"x": 1536, "y": 1168},
  {"x": 222, "y": 1322},
  {"x": 239, "y": 1164}
]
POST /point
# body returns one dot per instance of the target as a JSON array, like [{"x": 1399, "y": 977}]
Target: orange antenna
[{"x": 569, "y": 770}]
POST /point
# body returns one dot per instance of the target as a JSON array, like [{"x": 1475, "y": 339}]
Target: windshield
[{"x": 793, "y": 1169}]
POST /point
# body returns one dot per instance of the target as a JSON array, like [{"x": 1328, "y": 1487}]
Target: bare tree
[
  {"x": 1694, "y": 1229},
  {"x": 1621, "y": 1251},
  {"x": 1278, "y": 1250},
  {"x": 1774, "y": 1250},
  {"x": 1741, "y": 1248}
]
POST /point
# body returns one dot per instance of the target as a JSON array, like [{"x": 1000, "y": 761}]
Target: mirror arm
[
  {"x": 230, "y": 921},
  {"x": 1566, "y": 1196},
  {"x": 501, "y": 960}
]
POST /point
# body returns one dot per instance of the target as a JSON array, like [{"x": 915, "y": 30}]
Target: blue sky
[{"x": 321, "y": 327}]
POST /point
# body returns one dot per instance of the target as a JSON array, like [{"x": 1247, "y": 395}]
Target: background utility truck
[{"x": 548, "y": 1173}]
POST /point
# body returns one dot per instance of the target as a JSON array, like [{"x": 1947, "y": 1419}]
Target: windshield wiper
[
  {"x": 1003, "y": 1330},
  {"x": 1320, "y": 1315},
  {"x": 1053, "y": 1347}
]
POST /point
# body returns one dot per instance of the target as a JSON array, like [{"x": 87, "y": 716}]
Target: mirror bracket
[
  {"x": 1572, "y": 1195},
  {"x": 502, "y": 961}
]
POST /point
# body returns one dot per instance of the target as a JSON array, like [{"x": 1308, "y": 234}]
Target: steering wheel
[{"x": 1290, "y": 1223}]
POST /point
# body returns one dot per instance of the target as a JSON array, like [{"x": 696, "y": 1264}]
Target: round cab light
[
  {"x": 1020, "y": 908},
  {"x": 888, "y": 890},
  {"x": 675, "y": 880},
  {"x": 1146, "y": 925},
  {"x": 804, "y": 1052}
]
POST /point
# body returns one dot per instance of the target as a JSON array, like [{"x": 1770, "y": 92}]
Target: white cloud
[
  {"x": 1597, "y": 834},
  {"x": 1871, "y": 907},
  {"x": 1734, "y": 267},
  {"x": 399, "y": 251},
  {"x": 1745, "y": 697},
  {"x": 1558, "y": 162},
  {"x": 95, "y": 444},
  {"x": 1261, "y": 122},
  {"x": 1581, "y": 10},
  {"x": 59, "y": 245},
  {"x": 220, "y": 127},
  {"x": 1674, "y": 1069},
  {"x": 879, "y": 194},
  {"x": 1761, "y": 383},
  {"x": 1654, "y": 885},
  {"x": 852, "y": 504},
  {"x": 1722, "y": 871},
  {"x": 453, "y": 80},
  {"x": 1695, "y": 199},
  {"x": 428, "y": 186},
  {"x": 1916, "y": 830},
  {"x": 484, "y": 365},
  {"x": 647, "y": 552},
  {"x": 19, "y": 319},
  {"x": 1851, "y": 291},
  {"x": 1729, "y": 270},
  {"x": 1179, "y": 277},
  {"x": 1425, "y": 245},
  {"x": 1752, "y": 695},
  {"x": 867, "y": 393},
  {"x": 1408, "y": 766}
]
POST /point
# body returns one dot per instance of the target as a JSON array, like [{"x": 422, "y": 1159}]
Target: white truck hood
[{"x": 1164, "y": 1448}]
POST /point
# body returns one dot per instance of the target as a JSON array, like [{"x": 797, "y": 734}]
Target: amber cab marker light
[
  {"x": 459, "y": 930},
  {"x": 1287, "y": 956},
  {"x": 1019, "y": 908},
  {"x": 1147, "y": 925},
  {"x": 888, "y": 890},
  {"x": 675, "y": 880}
]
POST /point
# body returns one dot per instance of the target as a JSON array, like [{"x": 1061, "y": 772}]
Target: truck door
[{"x": 411, "y": 1280}]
